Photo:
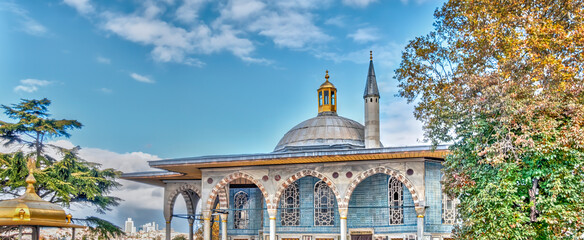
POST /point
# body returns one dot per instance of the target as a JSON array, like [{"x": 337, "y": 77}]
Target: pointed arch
[
  {"x": 302, "y": 174},
  {"x": 191, "y": 194},
  {"x": 226, "y": 180},
  {"x": 393, "y": 173}
]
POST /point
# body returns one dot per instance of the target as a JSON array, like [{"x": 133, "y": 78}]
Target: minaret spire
[
  {"x": 371, "y": 85},
  {"x": 371, "y": 97}
]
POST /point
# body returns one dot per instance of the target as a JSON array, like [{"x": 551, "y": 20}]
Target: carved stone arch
[
  {"x": 191, "y": 195},
  {"x": 393, "y": 173},
  {"x": 223, "y": 200},
  {"x": 226, "y": 180},
  {"x": 302, "y": 174}
]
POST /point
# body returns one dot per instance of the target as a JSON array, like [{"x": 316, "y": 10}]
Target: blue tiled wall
[
  {"x": 306, "y": 187},
  {"x": 255, "y": 213},
  {"x": 433, "y": 217},
  {"x": 368, "y": 207}
]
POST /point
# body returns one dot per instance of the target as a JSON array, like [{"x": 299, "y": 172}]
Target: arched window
[
  {"x": 241, "y": 217},
  {"x": 333, "y": 97},
  {"x": 290, "y": 203},
  {"x": 324, "y": 205},
  {"x": 396, "y": 201},
  {"x": 448, "y": 209}
]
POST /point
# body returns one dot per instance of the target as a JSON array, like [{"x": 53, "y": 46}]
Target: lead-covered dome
[{"x": 326, "y": 131}]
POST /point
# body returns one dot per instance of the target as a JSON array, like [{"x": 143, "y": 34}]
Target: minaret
[
  {"x": 327, "y": 97},
  {"x": 371, "y": 97}
]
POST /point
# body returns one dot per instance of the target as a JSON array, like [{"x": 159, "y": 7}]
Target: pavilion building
[{"x": 328, "y": 178}]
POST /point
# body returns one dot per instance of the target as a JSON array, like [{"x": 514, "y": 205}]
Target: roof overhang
[{"x": 190, "y": 168}]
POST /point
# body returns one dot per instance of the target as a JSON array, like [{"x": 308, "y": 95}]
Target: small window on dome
[
  {"x": 319, "y": 98},
  {"x": 333, "y": 97},
  {"x": 326, "y": 97},
  {"x": 376, "y": 100}
]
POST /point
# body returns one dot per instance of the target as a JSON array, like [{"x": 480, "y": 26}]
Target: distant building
[
  {"x": 130, "y": 229},
  {"x": 150, "y": 227}
]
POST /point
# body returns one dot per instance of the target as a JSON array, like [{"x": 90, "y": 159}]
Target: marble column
[
  {"x": 223, "y": 226},
  {"x": 343, "y": 212},
  {"x": 420, "y": 212},
  {"x": 207, "y": 225},
  {"x": 272, "y": 213},
  {"x": 168, "y": 229},
  {"x": 191, "y": 222}
]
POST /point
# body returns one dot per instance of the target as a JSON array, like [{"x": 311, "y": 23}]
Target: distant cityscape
[{"x": 148, "y": 231}]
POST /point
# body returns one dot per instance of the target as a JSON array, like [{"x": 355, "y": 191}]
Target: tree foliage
[
  {"x": 503, "y": 81},
  {"x": 64, "y": 181}
]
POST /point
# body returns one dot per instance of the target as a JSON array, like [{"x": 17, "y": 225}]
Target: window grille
[
  {"x": 448, "y": 209},
  {"x": 241, "y": 216},
  {"x": 396, "y": 201},
  {"x": 324, "y": 205},
  {"x": 290, "y": 206}
]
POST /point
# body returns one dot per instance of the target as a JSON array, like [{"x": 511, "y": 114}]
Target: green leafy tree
[
  {"x": 180, "y": 237},
  {"x": 503, "y": 81},
  {"x": 65, "y": 181}
]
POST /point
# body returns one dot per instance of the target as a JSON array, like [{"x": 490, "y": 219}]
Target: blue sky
[{"x": 179, "y": 78}]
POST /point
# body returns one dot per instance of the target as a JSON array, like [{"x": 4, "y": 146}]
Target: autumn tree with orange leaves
[{"x": 504, "y": 82}]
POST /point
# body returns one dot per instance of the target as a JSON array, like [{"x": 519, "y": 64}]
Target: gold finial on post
[
  {"x": 30, "y": 178},
  {"x": 326, "y": 76},
  {"x": 371, "y": 55}
]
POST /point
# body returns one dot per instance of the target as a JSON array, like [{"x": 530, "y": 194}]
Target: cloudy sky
[{"x": 179, "y": 78}]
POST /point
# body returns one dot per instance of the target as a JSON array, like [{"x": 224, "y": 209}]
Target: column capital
[
  {"x": 421, "y": 211},
  {"x": 343, "y": 212},
  {"x": 273, "y": 213},
  {"x": 206, "y": 214},
  {"x": 191, "y": 220}
]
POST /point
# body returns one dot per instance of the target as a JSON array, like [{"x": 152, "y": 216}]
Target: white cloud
[
  {"x": 106, "y": 90},
  {"x": 364, "y": 35},
  {"x": 82, "y": 6},
  {"x": 290, "y": 29},
  {"x": 28, "y": 24},
  {"x": 141, "y": 78},
  {"x": 338, "y": 21},
  {"x": 188, "y": 12},
  {"x": 387, "y": 55},
  {"x": 31, "y": 85},
  {"x": 398, "y": 125},
  {"x": 359, "y": 3},
  {"x": 241, "y": 9},
  {"x": 174, "y": 44},
  {"x": 103, "y": 60},
  {"x": 176, "y": 33}
]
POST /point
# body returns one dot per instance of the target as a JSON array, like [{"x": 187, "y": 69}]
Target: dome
[
  {"x": 30, "y": 209},
  {"x": 325, "y": 131}
]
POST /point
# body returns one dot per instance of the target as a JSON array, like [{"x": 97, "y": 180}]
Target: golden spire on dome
[
  {"x": 327, "y": 96},
  {"x": 371, "y": 55}
]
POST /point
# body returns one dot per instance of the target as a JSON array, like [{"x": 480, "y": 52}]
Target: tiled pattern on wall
[
  {"x": 255, "y": 212},
  {"x": 433, "y": 218},
  {"x": 368, "y": 207}
]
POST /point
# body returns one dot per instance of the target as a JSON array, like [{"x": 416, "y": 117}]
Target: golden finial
[
  {"x": 30, "y": 179},
  {"x": 371, "y": 55},
  {"x": 69, "y": 216},
  {"x": 326, "y": 76}
]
